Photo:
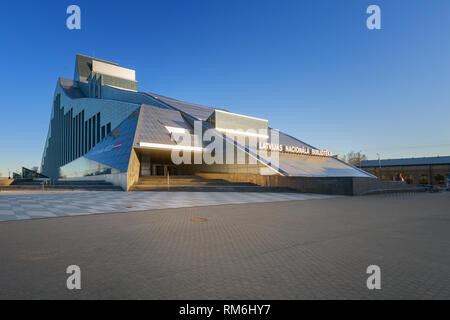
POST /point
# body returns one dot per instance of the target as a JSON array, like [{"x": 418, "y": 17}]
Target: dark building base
[{"x": 349, "y": 186}]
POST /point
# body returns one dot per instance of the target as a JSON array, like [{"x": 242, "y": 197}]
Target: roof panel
[
  {"x": 309, "y": 166},
  {"x": 83, "y": 66},
  {"x": 153, "y": 121},
  {"x": 407, "y": 162},
  {"x": 71, "y": 88},
  {"x": 198, "y": 111},
  {"x": 115, "y": 149}
]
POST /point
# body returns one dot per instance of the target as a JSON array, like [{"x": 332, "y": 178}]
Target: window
[
  {"x": 423, "y": 179},
  {"x": 82, "y": 132},
  {"x": 439, "y": 179},
  {"x": 90, "y": 134},
  {"x": 103, "y": 132},
  {"x": 85, "y": 134},
  {"x": 80, "y": 129},
  {"x": 75, "y": 139},
  {"x": 108, "y": 128},
  {"x": 93, "y": 130},
  {"x": 98, "y": 127}
]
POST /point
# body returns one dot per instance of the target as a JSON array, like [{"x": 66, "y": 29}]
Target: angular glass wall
[
  {"x": 226, "y": 120},
  {"x": 119, "y": 82},
  {"x": 84, "y": 167}
]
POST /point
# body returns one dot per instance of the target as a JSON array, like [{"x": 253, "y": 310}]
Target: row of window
[
  {"x": 74, "y": 136},
  {"x": 71, "y": 137},
  {"x": 412, "y": 178},
  {"x": 97, "y": 81}
]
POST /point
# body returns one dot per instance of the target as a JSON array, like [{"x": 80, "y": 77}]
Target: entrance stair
[
  {"x": 196, "y": 183},
  {"x": 92, "y": 185}
]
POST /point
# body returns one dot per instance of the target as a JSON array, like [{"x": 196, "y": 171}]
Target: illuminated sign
[
  {"x": 293, "y": 149},
  {"x": 243, "y": 133},
  {"x": 169, "y": 146}
]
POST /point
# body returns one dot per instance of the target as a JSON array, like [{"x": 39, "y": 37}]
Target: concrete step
[
  {"x": 196, "y": 183},
  {"x": 183, "y": 182},
  {"x": 154, "y": 182},
  {"x": 62, "y": 183},
  {"x": 170, "y": 179},
  {"x": 172, "y": 176},
  {"x": 26, "y": 183},
  {"x": 64, "y": 187},
  {"x": 81, "y": 182},
  {"x": 211, "y": 188},
  {"x": 94, "y": 185},
  {"x": 199, "y": 184}
]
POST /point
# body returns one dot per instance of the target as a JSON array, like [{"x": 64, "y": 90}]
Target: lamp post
[
  {"x": 379, "y": 163},
  {"x": 360, "y": 158}
]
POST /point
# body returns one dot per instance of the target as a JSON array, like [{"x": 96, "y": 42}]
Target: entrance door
[
  {"x": 172, "y": 170},
  {"x": 163, "y": 170},
  {"x": 158, "y": 170}
]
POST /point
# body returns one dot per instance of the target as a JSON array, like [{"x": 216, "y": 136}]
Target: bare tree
[{"x": 354, "y": 158}]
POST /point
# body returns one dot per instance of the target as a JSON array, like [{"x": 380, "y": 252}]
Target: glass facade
[
  {"x": 115, "y": 149},
  {"x": 83, "y": 167},
  {"x": 226, "y": 120},
  {"x": 118, "y": 82},
  {"x": 71, "y": 137},
  {"x": 95, "y": 130}
]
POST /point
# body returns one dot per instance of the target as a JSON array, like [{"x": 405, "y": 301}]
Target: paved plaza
[
  {"x": 308, "y": 249},
  {"x": 35, "y": 204}
]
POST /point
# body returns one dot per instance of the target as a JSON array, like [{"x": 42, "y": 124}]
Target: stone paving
[
  {"x": 36, "y": 204},
  {"x": 309, "y": 249}
]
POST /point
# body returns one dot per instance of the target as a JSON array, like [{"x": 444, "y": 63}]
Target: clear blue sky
[{"x": 311, "y": 67}]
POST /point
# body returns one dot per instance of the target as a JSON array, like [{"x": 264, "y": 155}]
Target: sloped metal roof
[
  {"x": 115, "y": 149},
  {"x": 152, "y": 124},
  {"x": 71, "y": 88},
  {"x": 151, "y": 127},
  {"x": 312, "y": 166},
  {"x": 83, "y": 66},
  {"x": 196, "y": 110},
  {"x": 308, "y": 166}
]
